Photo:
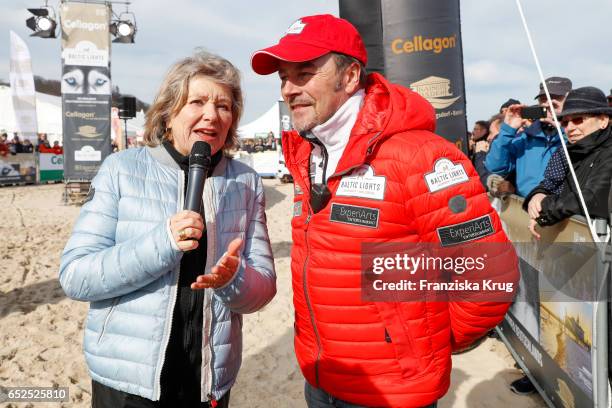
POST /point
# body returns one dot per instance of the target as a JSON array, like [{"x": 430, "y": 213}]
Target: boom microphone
[{"x": 199, "y": 163}]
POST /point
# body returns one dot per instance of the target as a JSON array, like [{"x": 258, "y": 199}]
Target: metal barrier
[
  {"x": 557, "y": 329},
  {"x": 18, "y": 169},
  {"x": 75, "y": 191}
]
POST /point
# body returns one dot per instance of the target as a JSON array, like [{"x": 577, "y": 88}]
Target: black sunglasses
[{"x": 576, "y": 121}]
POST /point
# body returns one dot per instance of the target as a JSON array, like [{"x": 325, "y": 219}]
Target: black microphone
[{"x": 199, "y": 163}]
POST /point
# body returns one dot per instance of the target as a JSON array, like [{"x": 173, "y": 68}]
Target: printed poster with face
[{"x": 86, "y": 88}]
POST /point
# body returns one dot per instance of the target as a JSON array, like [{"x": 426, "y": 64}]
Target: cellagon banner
[
  {"x": 22, "y": 89},
  {"x": 86, "y": 88},
  {"x": 417, "y": 44}
]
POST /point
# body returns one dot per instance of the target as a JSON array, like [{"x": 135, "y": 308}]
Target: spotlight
[
  {"x": 124, "y": 28},
  {"x": 42, "y": 23}
]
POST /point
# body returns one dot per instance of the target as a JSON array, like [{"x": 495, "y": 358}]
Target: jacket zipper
[
  {"x": 212, "y": 352},
  {"x": 213, "y": 401},
  {"x": 172, "y": 305},
  {"x": 305, "y": 269},
  {"x": 307, "y": 298}
]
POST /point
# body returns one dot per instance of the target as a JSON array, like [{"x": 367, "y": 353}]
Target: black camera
[{"x": 534, "y": 112}]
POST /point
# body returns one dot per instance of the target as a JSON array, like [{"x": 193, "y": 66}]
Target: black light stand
[{"x": 127, "y": 110}]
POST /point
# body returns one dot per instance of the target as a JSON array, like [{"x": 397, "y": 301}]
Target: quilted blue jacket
[
  {"x": 122, "y": 258},
  {"x": 527, "y": 153}
]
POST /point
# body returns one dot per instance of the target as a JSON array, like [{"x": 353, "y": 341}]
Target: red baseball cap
[{"x": 309, "y": 38}]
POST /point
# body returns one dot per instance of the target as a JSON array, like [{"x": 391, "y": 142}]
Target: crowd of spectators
[
  {"x": 14, "y": 145},
  {"x": 258, "y": 144},
  {"x": 514, "y": 152},
  {"x": 521, "y": 154}
]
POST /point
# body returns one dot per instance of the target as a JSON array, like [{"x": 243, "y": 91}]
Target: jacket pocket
[
  {"x": 405, "y": 353},
  {"x": 413, "y": 361},
  {"x": 107, "y": 319}
]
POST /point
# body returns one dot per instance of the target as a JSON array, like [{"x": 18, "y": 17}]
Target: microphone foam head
[{"x": 200, "y": 154}]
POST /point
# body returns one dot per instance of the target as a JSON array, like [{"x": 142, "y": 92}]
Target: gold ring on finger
[{"x": 182, "y": 235}]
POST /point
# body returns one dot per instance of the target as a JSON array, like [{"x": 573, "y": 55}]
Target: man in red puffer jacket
[{"x": 368, "y": 168}]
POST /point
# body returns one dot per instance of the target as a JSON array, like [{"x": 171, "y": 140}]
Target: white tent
[
  {"x": 268, "y": 122},
  {"x": 135, "y": 126},
  {"x": 48, "y": 113}
]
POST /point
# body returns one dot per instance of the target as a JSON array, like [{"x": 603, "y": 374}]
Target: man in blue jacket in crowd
[{"x": 527, "y": 150}]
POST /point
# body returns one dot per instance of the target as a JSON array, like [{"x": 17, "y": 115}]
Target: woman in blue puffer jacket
[{"x": 167, "y": 287}]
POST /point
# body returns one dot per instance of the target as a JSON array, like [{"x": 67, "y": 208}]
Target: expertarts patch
[
  {"x": 445, "y": 174},
  {"x": 362, "y": 182},
  {"x": 466, "y": 231},
  {"x": 297, "y": 190},
  {"x": 354, "y": 215}
]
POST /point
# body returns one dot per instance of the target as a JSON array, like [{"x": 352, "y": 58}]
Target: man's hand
[
  {"x": 535, "y": 205},
  {"x": 505, "y": 188},
  {"x": 513, "y": 116},
  {"x": 224, "y": 271}
]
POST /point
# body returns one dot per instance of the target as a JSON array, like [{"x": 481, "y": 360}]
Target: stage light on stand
[
  {"x": 43, "y": 23},
  {"x": 124, "y": 28}
]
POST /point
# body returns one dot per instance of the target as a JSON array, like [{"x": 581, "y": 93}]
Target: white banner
[
  {"x": 50, "y": 161},
  {"x": 22, "y": 89}
]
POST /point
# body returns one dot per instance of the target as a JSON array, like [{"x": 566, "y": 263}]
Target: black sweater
[{"x": 181, "y": 372}]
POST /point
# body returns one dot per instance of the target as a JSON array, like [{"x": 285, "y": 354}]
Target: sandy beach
[{"x": 41, "y": 330}]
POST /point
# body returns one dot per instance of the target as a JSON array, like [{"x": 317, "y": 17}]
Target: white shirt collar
[{"x": 335, "y": 132}]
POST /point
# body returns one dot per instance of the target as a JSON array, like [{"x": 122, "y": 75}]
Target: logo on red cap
[{"x": 296, "y": 28}]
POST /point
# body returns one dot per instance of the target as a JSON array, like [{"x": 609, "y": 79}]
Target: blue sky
[{"x": 572, "y": 39}]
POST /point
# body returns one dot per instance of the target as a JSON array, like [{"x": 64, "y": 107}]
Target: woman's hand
[
  {"x": 481, "y": 146},
  {"x": 532, "y": 224},
  {"x": 186, "y": 227},
  {"x": 535, "y": 205},
  {"x": 224, "y": 271}
]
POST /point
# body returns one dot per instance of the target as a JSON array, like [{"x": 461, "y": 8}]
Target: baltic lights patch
[
  {"x": 362, "y": 182},
  {"x": 445, "y": 174}
]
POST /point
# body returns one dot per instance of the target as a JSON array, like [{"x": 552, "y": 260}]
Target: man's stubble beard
[{"x": 308, "y": 124}]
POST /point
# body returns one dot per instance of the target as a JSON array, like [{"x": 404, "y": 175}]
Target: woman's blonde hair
[{"x": 174, "y": 90}]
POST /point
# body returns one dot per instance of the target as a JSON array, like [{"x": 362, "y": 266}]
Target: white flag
[{"x": 22, "y": 89}]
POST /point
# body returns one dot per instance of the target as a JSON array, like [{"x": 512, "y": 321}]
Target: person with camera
[
  {"x": 586, "y": 119},
  {"x": 526, "y": 147}
]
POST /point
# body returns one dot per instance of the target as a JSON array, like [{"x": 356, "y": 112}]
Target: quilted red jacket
[{"x": 395, "y": 354}]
